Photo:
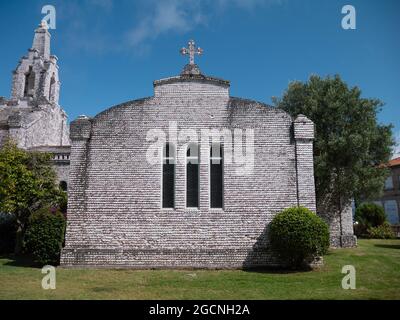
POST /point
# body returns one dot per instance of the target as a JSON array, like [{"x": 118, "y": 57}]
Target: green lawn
[{"x": 377, "y": 264}]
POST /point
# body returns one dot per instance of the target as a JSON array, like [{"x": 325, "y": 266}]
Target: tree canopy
[
  {"x": 27, "y": 183},
  {"x": 349, "y": 143}
]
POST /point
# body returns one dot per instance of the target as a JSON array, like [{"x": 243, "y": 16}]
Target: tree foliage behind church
[
  {"x": 350, "y": 143},
  {"x": 27, "y": 183}
]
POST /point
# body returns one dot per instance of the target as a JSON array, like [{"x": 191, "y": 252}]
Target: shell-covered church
[
  {"x": 188, "y": 177},
  {"x": 127, "y": 209}
]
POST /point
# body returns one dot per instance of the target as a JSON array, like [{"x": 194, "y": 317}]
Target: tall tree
[
  {"x": 350, "y": 144},
  {"x": 27, "y": 183}
]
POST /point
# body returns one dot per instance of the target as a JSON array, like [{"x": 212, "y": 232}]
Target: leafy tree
[
  {"x": 27, "y": 183},
  {"x": 370, "y": 215},
  {"x": 349, "y": 143}
]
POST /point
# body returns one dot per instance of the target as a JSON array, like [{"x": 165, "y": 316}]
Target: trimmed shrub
[
  {"x": 45, "y": 235},
  {"x": 297, "y": 234},
  {"x": 368, "y": 215},
  {"x": 384, "y": 231},
  {"x": 8, "y": 229}
]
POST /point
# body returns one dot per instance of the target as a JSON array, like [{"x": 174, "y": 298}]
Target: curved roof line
[
  {"x": 130, "y": 102},
  {"x": 251, "y": 101},
  {"x": 231, "y": 100},
  {"x": 257, "y": 103}
]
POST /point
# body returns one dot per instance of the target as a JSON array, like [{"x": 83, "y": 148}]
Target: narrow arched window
[
  {"x": 192, "y": 176},
  {"x": 52, "y": 88},
  {"x": 168, "y": 176},
  {"x": 29, "y": 82},
  {"x": 216, "y": 175}
]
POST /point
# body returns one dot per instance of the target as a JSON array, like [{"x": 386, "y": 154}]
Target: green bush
[
  {"x": 384, "y": 231},
  {"x": 297, "y": 234},
  {"x": 63, "y": 202},
  {"x": 45, "y": 235},
  {"x": 8, "y": 229},
  {"x": 359, "y": 230},
  {"x": 368, "y": 215}
]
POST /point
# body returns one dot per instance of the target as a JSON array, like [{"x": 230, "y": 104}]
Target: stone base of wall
[
  {"x": 345, "y": 241},
  {"x": 167, "y": 258}
]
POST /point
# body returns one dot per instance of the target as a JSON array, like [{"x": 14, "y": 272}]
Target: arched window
[
  {"x": 52, "y": 88},
  {"x": 63, "y": 185},
  {"x": 216, "y": 175},
  {"x": 168, "y": 176},
  {"x": 192, "y": 176},
  {"x": 29, "y": 82}
]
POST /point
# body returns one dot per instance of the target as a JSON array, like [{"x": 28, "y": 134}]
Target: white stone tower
[
  {"x": 36, "y": 76},
  {"x": 32, "y": 116}
]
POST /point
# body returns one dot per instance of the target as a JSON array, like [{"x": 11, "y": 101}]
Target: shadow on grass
[
  {"x": 388, "y": 246},
  {"x": 23, "y": 261}
]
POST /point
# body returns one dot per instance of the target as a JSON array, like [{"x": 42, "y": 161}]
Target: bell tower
[
  {"x": 35, "y": 80},
  {"x": 32, "y": 117}
]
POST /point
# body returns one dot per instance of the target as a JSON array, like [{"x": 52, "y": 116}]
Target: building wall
[
  {"x": 39, "y": 127},
  {"x": 62, "y": 170},
  {"x": 114, "y": 211},
  {"x": 391, "y": 196}
]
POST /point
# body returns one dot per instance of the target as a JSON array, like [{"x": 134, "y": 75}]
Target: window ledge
[{"x": 216, "y": 209}]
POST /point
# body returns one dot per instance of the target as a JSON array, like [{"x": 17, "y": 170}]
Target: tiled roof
[{"x": 394, "y": 162}]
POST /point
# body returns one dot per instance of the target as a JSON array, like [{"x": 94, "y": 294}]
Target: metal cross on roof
[{"x": 191, "y": 51}]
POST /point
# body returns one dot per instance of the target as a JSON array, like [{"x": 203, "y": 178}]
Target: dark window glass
[
  {"x": 192, "y": 176},
  {"x": 216, "y": 176},
  {"x": 63, "y": 186},
  {"x": 168, "y": 188}
]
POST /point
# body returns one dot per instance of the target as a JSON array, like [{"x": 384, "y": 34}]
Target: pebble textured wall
[{"x": 114, "y": 211}]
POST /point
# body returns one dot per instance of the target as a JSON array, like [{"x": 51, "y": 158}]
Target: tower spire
[{"x": 41, "y": 40}]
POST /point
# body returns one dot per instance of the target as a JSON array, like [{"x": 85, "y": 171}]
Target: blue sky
[{"x": 110, "y": 51}]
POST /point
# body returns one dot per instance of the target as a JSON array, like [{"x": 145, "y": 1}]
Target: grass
[{"x": 377, "y": 264}]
